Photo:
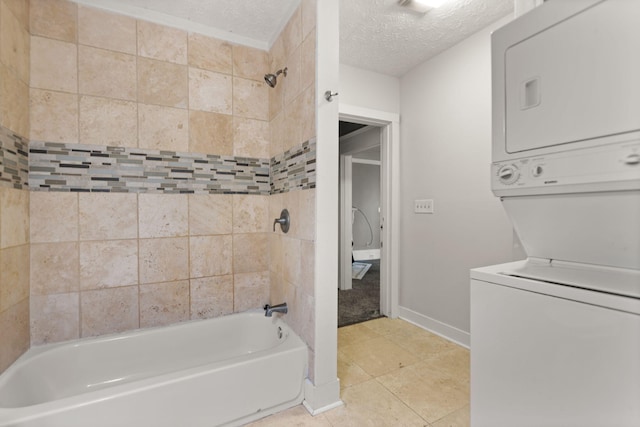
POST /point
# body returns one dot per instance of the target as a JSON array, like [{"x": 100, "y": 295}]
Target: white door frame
[
  {"x": 346, "y": 227},
  {"x": 390, "y": 199}
]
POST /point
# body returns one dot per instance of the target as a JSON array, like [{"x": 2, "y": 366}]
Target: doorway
[
  {"x": 389, "y": 125},
  {"x": 360, "y": 207}
]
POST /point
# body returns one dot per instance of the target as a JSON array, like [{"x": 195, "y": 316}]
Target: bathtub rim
[{"x": 292, "y": 344}]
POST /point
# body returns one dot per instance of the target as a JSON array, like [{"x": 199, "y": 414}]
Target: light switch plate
[{"x": 423, "y": 206}]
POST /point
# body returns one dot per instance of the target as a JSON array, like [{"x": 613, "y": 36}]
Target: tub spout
[{"x": 270, "y": 309}]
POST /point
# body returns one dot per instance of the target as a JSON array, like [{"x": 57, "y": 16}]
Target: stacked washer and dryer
[{"x": 555, "y": 339}]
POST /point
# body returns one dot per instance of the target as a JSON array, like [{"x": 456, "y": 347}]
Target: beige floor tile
[
  {"x": 348, "y": 335},
  {"x": 297, "y": 416},
  {"x": 423, "y": 344},
  {"x": 393, "y": 327},
  {"x": 459, "y": 418},
  {"x": 350, "y": 373},
  {"x": 378, "y": 356},
  {"x": 454, "y": 363},
  {"x": 370, "y": 404},
  {"x": 430, "y": 392}
]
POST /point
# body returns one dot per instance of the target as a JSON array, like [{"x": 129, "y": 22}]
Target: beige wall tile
[
  {"x": 14, "y": 103},
  {"x": 308, "y": 113},
  {"x": 161, "y": 42},
  {"x": 53, "y": 116},
  {"x": 55, "y": 318},
  {"x": 56, "y": 19},
  {"x": 162, "y": 83},
  {"x": 211, "y": 297},
  {"x": 14, "y": 217},
  {"x": 107, "y": 311},
  {"x": 277, "y": 129},
  {"x": 276, "y": 288},
  {"x": 251, "y": 291},
  {"x": 303, "y": 307},
  {"x": 275, "y": 253},
  {"x": 164, "y": 303},
  {"x": 54, "y": 268},
  {"x": 106, "y": 121},
  {"x": 251, "y": 214},
  {"x": 211, "y": 255},
  {"x": 292, "y": 33},
  {"x": 210, "y": 214},
  {"x": 14, "y": 275},
  {"x": 106, "y": 73},
  {"x": 292, "y": 82},
  {"x": 210, "y": 133},
  {"x": 308, "y": 66},
  {"x": 250, "y": 253},
  {"x": 307, "y": 267},
  {"x": 53, "y": 216},
  {"x": 106, "y": 30},
  {"x": 307, "y": 214},
  {"x": 210, "y": 54},
  {"x": 108, "y": 216},
  {"x": 250, "y": 99},
  {"x": 164, "y": 260},
  {"x": 308, "y": 16},
  {"x": 109, "y": 263},
  {"x": 14, "y": 44},
  {"x": 14, "y": 333},
  {"x": 250, "y": 138},
  {"x": 251, "y": 63},
  {"x": 291, "y": 201},
  {"x": 291, "y": 260},
  {"x": 163, "y": 215},
  {"x": 163, "y": 128},
  {"x": 54, "y": 65},
  {"x": 293, "y": 124},
  {"x": 210, "y": 91},
  {"x": 277, "y": 54}
]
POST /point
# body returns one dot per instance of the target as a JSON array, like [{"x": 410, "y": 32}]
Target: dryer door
[{"x": 576, "y": 80}]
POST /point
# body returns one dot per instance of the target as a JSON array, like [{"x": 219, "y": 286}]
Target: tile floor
[{"x": 392, "y": 373}]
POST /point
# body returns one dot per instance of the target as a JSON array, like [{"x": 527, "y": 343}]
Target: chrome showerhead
[{"x": 272, "y": 79}]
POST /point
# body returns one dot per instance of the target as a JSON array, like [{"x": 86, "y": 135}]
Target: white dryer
[{"x": 555, "y": 339}]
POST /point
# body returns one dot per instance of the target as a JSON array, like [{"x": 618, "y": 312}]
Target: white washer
[{"x": 545, "y": 352}]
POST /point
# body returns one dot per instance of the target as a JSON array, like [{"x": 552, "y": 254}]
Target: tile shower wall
[
  {"x": 103, "y": 263},
  {"x": 292, "y": 120},
  {"x": 108, "y": 262},
  {"x": 14, "y": 197}
]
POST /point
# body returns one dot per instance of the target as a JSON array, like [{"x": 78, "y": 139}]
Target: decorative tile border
[
  {"x": 14, "y": 160},
  {"x": 90, "y": 168},
  {"x": 295, "y": 169},
  {"x": 77, "y": 167}
]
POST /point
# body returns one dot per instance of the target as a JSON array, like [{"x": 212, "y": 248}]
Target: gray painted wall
[{"x": 445, "y": 156}]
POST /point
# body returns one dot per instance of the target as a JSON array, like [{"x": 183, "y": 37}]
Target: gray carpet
[{"x": 362, "y": 302}]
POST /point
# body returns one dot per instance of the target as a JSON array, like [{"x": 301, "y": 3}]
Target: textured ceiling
[
  {"x": 376, "y": 35},
  {"x": 379, "y": 35}
]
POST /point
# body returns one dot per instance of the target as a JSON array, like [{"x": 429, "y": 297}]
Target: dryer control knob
[{"x": 508, "y": 174}]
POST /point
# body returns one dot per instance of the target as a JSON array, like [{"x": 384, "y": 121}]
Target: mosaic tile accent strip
[
  {"x": 295, "y": 169},
  {"x": 78, "y": 167},
  {"x": 14, "y": 160}
]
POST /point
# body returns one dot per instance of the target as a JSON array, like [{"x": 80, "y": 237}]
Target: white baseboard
[
  {"x": 366, "y": 254},
  {"x": 319, "y": 399},
  {"x": 448, "y": 332}
]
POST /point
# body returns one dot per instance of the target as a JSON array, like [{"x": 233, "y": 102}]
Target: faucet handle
[{"x": 284, "y": 221}]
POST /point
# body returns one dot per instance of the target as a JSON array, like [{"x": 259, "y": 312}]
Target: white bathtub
[{"x": 224, "y": 371}]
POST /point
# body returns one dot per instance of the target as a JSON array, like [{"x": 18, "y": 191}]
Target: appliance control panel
[{"x": 604, "y": 168}]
